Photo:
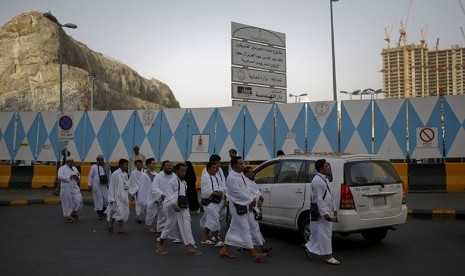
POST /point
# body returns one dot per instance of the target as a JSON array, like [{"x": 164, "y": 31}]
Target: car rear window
[{"x": 370, "y": 172}]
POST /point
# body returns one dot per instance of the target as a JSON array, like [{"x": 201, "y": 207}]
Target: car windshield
[{"x": 370, "y": 172}]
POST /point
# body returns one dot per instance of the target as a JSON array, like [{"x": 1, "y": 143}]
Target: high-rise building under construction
[{"x": 411, "y": 70}]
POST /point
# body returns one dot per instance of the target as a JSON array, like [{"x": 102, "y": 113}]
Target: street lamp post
[
  {"x": 332, "y": 48},
  {"x": 297, "y": 96},
  {"x": 92, "y": 79},
  {"x": 356, "y": 92},
  {"x": 52, "y": 18}
]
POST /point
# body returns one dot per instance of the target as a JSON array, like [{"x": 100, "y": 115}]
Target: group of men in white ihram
[{"x": 161, "y": 199}]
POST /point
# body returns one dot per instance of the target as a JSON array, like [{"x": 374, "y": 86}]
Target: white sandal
[{"x": 332, "y": 261}]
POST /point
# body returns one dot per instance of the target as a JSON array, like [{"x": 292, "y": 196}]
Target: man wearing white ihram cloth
[
  {"x": 98, "y": 184},
  {"x": 240, "y": 201},
  {"x": 178, "y": 223},
  {"x": 212, "y": 201},
  {"x": 322, "y": 229},
  {"x": 118, "y": 197},
  {"x": 159, "y": 190},
  {"x": 70, "y": 193},
  {"x": 148, "y": 179},
  {"x": 139, "y": 190}
]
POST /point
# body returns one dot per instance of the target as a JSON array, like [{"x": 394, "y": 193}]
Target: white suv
[{"x": 367, "y": 191}]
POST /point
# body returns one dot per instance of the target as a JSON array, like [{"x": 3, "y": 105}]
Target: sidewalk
[{"x": 421, "y": 205}]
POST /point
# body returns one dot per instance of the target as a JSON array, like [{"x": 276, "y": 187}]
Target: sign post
[{"x": 65, "y": 127}]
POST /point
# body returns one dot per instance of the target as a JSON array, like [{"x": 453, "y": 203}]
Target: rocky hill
[{"x": 29, "y": 72}]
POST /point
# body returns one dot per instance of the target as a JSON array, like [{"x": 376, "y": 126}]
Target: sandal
[
  {"x": 332, "y": 261},
  {"x": 207, "y": 242},
  {"x": 69, "y": 220},
  {"x": 75, "y": 216},
  {"x": 226, "y": 255},
  {"x": 161, "y": 251},
  {"x": 193, "y": 253},
  {"x": 259, "y": 257}
]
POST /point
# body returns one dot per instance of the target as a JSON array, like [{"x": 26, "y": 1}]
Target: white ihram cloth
[
  {"x": 139, "y": 191},
  {"x": 238, "y": 234},
  {"x": 70, "y": 193},
  {"x": 99, "y": 191},
  {"x": 257, "y": 236},
  {"x": 222, "y": 180},
  {"x": 321, "y": 230},
  {"x": 118, "y": 196},
  {"x": 211, "y": 215},
  {"x": 178, "y": 224},
  {"x": 159, "y": 188},
  {"x": 148, "y": 179}
]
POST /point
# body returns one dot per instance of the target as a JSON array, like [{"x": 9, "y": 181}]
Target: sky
[{"x": 187, "y": 43}]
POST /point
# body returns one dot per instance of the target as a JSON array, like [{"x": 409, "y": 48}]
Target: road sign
[
  {"x": 65, "y": 127},
  {"x": 258, "y": 34},
  {"x": 258, "y": 77},
  {"x": 427, "y": 137},
  {"x": 258, "y": 93},
  {"x": 258, "y": 56}
]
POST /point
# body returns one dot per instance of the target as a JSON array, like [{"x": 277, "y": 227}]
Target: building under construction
[{"x": 411, "y": 70}]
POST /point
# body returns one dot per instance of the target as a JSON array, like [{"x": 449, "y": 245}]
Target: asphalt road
[{"x": 35, "y": 240}]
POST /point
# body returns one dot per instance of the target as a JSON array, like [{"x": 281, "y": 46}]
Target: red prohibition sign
[{"x": 427, "y": 135}]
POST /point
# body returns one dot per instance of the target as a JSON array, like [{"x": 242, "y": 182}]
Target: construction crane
[
  {"x": 387, "y": 36},
  {"x": 423, "y": 33},
  {"x": 402, "y": 31},
  {"x": 463, "y": 34}
]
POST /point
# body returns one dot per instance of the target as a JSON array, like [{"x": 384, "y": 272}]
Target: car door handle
[
  {"x": 298, "y": 191},
  {"x": 266, "y": 191}
]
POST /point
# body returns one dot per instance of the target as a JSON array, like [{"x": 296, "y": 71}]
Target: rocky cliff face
[{"x": 29, "y": 73}]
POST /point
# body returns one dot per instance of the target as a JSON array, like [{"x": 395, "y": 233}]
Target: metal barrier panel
[
  {"x": 259, "y": 132},
  {"x": 147, "y": 132},
  {"x": 47, "y": 143},
  {"x": 121, "y": 124},
  {"x": 454, "y": 125},
  {"x": 290, "y": 127},
  {"x": 322, "y": 127},
  {"x": 390, "y": 128},
  {"x": 229, "y": 131},
  {"x": 425, "y": 127},
  {"x": 7, "y": 134},
  {"x": 173, "y": 134},
  {"x": 26, "y": 136},
  {"x": 96, "y": 133},
  {"x": 356, "y": 126},
  {"x": 201, "y": 134},
  {"x": 427, "y": 177}
]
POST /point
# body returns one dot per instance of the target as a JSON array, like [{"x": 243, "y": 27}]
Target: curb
[{"x": 437, "y": 214}]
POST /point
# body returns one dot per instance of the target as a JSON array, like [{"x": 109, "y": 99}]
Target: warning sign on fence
[
  {"x": 427, "y": 137},
  {"x": 65, "y": 127}
]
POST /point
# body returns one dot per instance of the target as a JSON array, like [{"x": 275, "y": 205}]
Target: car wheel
[
  {"x": 374, "y": 235},
  {"x": 304, "y": 229}
]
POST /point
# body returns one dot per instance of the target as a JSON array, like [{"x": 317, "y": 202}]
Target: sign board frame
[{"x": 247, "y": 32}]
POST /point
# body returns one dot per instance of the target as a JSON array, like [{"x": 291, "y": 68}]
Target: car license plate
[{"x": 379, "y": 200}]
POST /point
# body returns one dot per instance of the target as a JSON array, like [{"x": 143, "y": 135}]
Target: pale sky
[{"x": 187, "y": 43}]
